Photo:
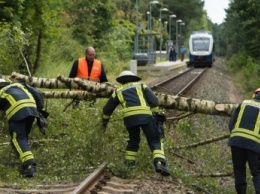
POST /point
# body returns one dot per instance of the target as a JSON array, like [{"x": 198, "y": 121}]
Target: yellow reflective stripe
[
  {"x": 121, "y": 98},
  {"x": 246, "y": 134},
  {"x": 15, "y": 106},
  {"x": 257, "y": 125},
  {"x": 251, "y": 102},
  {"x": 26, "y": 156},
  {"x": 133, "y": 108},
  {"x": 20, "y": 104},
  {"x": 136, "y": 110},
  {"x": 162, "y": 145},
  {"x": 113, "y": 95},
  {"x": 241, "y": 112},
  {"x": 155, "y": 109},
  {"x": 9, "y": 97},
  {"x": 158, "y": 154},
  {"x": 16, "y": 145},
  {"x": 141, "y": 96},
  {"x": 130, "y": 155}
]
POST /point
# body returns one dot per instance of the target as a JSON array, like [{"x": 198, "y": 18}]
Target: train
[{"x": 201, "y": 49}]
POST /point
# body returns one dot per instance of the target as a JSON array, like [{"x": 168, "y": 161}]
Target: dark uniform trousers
[
  {"x": 151, "y": 135},
  {"x": 19, "y": 131},
  {"x": 240, "y": 156}
]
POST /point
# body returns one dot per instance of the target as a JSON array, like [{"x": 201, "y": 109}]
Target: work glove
[
  {"x": 159, "y": 116},
  {"x": 42, "y": 121},
  {"x": 44, "y": 113},
  {"x": 160, "y": 119},
  {"x": 104, "y": 125}
]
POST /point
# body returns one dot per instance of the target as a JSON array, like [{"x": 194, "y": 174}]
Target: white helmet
[
  {"x": 3, "y": 83},
  {"x": 127, "y": 76},
  {"x": 257, "y": 90}
]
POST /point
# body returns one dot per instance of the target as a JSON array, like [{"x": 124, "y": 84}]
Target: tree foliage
[
  {"x": 90, "y": 20},
  {"x": 41, "y": 33},
  {"x": 33, "y": 20},
  {"x": 242, "y": 25}
]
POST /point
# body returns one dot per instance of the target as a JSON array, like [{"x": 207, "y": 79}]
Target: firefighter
[
  {"x": 244, "y": 141},
  {"x": 20, "y": 110},
  {"x": 138, "y": 103}
]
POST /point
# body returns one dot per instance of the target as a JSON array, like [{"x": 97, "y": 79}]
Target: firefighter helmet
[
  {"x": 3, "y": 83},
  {"x": 257, "y": 90},
  {"x": 127, "y": 76}
]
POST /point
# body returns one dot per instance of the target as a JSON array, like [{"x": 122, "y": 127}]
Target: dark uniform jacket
[
  {"x": 137, "y": 100},
  {"x": 245, "y": 125},
  {"x": 17, "y": 102}
]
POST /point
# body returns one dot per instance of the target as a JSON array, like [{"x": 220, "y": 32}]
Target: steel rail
[
  {"x": 191, "y": 82},
  {"x": 171, "y": 78},
  {"x": 91, "y": 180}
]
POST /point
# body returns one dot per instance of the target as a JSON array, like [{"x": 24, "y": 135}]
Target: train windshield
[{"x": 200, "y": 44}]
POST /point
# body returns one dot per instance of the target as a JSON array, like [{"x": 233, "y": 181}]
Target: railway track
[
  {"x": 177, "y": 85},
  {"x": 98, "y": 183},
  {"x": 95, "y": 183}
]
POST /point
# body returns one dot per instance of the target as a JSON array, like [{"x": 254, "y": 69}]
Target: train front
[{"x": 201, "y": 50}]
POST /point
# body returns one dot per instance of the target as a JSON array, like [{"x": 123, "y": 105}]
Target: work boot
[
  {"x": 28, "y": 171},
  {"x": 160, "y": 168}
]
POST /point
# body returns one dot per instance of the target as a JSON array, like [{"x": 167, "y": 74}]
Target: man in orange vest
[{"x": 88, "y": 68}]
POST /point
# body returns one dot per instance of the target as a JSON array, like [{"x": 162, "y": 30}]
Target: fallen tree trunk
[
  {"x": 64, "y": 82},
  {"x": 104, "y": 90},
  {"x": 39, "y": 82},
  {"x": 195, "y": 105},
  {"x": 81, "y": 95},
  {"x": 90, "y": 86},
  {"x": 166, "y": 101}
]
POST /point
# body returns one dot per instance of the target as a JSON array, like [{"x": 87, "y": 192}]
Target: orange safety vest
[{"x": 83, "y": 70}]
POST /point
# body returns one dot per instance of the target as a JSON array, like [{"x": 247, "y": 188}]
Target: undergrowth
[{"x": 74, "y": 146}]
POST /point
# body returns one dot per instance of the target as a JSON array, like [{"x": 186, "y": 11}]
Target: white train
[{"x": 201, "y": 48}]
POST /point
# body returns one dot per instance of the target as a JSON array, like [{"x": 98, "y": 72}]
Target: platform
[{"x": 163, "y": 68}]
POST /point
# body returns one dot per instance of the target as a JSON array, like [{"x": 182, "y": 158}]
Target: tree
[
  {"x": 90, "y": 20},
  {"x": 242, "y": 27}
]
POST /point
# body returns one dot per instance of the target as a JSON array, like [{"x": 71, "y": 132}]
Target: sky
[{"x": 215, "y": 10}]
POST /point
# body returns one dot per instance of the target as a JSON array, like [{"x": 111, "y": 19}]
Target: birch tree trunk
[{"x": 90, "y": 89}]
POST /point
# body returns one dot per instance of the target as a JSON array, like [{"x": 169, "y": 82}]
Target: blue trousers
[
  {"x": 151, "y": 135},
  {"x": 240, "y": 157},
  {"x": 19, "y": 131}
]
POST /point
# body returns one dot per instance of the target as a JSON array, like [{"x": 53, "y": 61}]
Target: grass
[{"x": 74, "y": 145}]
